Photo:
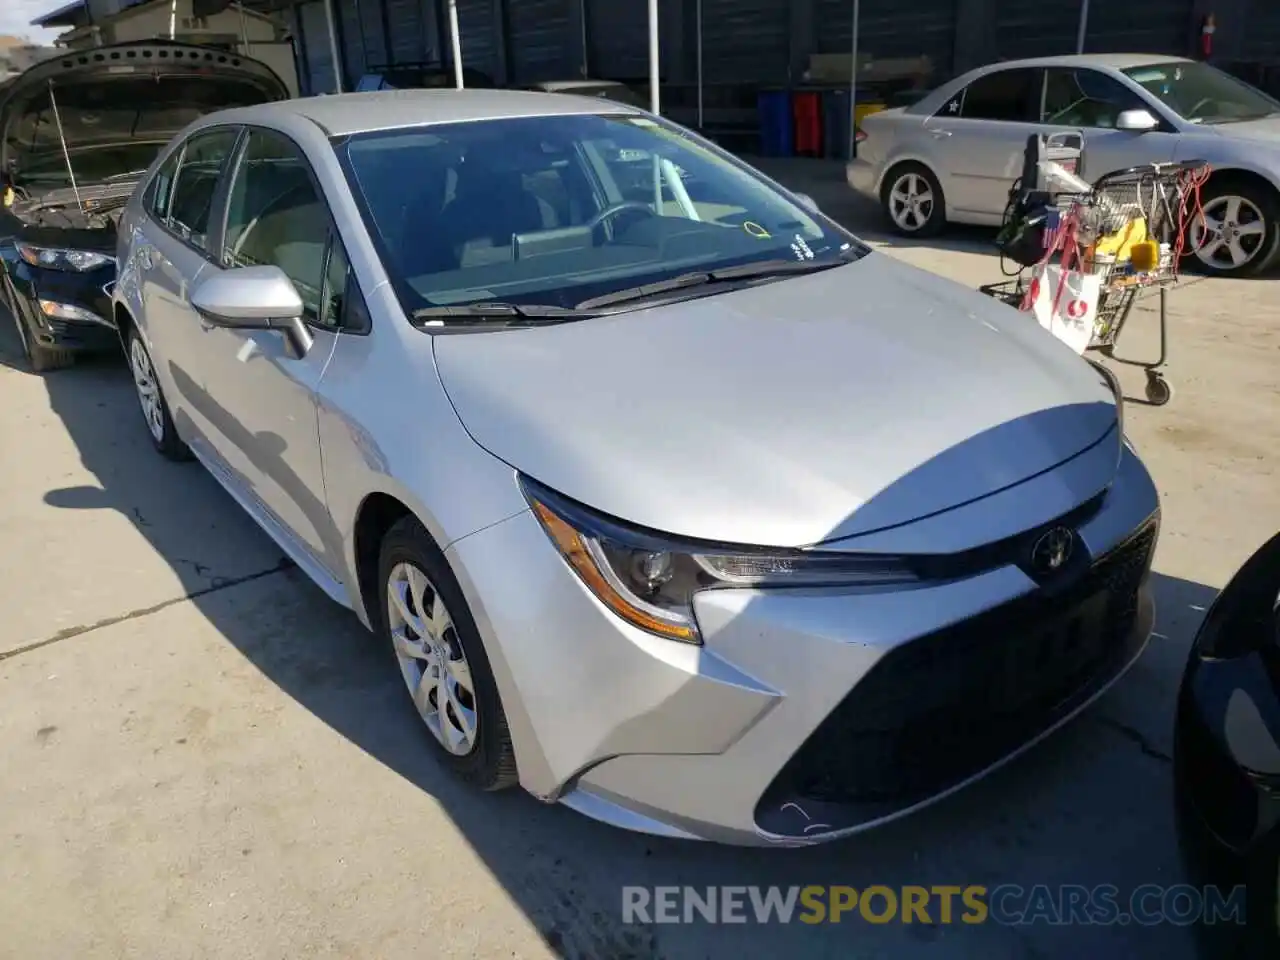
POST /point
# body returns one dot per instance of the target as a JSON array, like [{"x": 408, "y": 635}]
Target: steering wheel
[
  {"x": 608, "y": 213},
  {"x": 1199, "y": 103}
]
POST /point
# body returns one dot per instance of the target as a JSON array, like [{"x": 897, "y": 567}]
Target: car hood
[
  {"x": 806, "y": 410},
  {"x": 135, "y": 98},
  {"x": 1264, "y": 131}
]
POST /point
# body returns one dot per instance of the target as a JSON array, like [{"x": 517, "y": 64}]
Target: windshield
[
  {"x": 559, "y": 210},
  {"x": 1201, "y": 93},
  {"x": 113, "y": 127}
]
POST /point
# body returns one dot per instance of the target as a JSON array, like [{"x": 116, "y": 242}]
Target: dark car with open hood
[{"x": 77, "y": 133}]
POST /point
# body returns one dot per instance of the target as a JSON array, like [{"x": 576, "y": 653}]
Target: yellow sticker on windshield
[{"x": 757, "y": 231}]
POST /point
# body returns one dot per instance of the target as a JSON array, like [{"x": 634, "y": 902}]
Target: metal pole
[
  {"x": 698, "y": 13},
  {"x": 853, "y": 78},
  {"x": 333, "y": 45},
  {"x": 173, "y": 20},
  {"x": 653, "y": 56},
  {"x": 586, "y": 56},
  {"x": 1084, "y": 25},
  {"x": 456, "y": 42}
]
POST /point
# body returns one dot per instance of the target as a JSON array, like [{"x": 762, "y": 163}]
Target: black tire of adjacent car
[
  {"x": 1268, "y": 203},
  {"x": 492, "y": 764},
  {"x": 169, "y": 446},
  {"x": 937, "y": 220},
  {"x": 1208, "y": 862}
]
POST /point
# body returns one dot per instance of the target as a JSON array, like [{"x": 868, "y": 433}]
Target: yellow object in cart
[
  {"x": 1145, "y": 256},
  {"x": 1121, "y": 243}
]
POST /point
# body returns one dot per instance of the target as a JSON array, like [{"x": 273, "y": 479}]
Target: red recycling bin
[{"x": 806, "y": 116}]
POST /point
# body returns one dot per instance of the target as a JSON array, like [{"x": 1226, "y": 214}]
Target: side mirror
[
  {"x": 808, "y": 202},
  {"x": 1136, "y": 121},
  {"x": 254, "y": 298}
]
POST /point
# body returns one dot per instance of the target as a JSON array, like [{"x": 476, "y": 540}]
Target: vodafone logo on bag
[{"x": 1077, "y": 309}]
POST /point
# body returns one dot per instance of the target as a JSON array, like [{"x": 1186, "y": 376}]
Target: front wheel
[
  {"x": 155, "y": 410},
  {"x": 442, "y": 658},
  {"x": 1238, "y": 232},
  {"x": 912, "y": 201}
]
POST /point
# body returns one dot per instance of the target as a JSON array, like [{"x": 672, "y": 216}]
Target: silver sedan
[
  {"x": 953, "y": 156},
  {"x": 674, "y": 502}
]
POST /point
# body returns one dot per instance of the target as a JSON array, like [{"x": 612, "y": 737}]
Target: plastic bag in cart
[{"x": 1065, "y": 302}]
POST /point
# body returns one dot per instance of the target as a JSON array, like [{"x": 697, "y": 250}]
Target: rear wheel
[
  {"x": 912, "y": 200},
  {"x": 1238, "y": 233}
]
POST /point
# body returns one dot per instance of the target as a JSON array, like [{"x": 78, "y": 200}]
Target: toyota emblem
[{"x": 1052, "y": 550}]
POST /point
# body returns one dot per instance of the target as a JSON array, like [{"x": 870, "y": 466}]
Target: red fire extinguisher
[{"x": 1207, "y": 28}]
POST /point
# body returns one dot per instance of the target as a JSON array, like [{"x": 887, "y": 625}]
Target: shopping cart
[{"x": 1129, "y": 231}]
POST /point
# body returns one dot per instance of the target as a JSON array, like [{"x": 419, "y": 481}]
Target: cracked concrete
[{"x": 201, "y": 756}]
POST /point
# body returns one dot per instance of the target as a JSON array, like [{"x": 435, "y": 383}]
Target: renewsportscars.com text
[{"x": 1006, "y": 904}]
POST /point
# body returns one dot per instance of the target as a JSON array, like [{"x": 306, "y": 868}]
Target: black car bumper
[{"x": 60, "y": 309}]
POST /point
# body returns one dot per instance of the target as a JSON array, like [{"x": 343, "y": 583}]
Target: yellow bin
[{"x": 861, "y": 110}]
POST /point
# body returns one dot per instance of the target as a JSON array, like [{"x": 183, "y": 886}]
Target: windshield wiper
[
  {"x": 487, "y": 310},
  {"x": 745, "y": 271}
]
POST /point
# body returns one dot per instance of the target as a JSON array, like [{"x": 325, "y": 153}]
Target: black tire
[
  {"x": 935, "y": 219},
  {"x": 165, "y": 438},
  {"x": 491, "y": 763},
  {"x": 1266, "y": 202}
]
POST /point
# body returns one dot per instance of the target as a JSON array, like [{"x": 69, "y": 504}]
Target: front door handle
[{"x": 939, "y": 134}]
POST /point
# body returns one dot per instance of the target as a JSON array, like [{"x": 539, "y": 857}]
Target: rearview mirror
[
  {"x": 1136, "y": 121},
  {"x": 254, "y": 298},
  {"x": 807, "y": 202}
]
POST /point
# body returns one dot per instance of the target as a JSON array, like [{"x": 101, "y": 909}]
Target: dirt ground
[{"x": 200, "y": 756}]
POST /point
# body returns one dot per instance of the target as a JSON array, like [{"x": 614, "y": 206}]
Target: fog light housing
[{"x": 69, "y": 311}]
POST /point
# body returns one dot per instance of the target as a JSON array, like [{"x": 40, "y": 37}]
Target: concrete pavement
[{"x": 200, "y": 756}]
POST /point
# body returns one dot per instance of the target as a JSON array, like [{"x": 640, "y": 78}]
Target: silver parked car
[
  {"x": 954, "y": 155},
  {"x": 675, "y": 502}
]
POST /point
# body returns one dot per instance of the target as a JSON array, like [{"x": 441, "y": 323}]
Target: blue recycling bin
[
  {"x": 836, "y": 117},
  {"x": 774, "y": 110}
]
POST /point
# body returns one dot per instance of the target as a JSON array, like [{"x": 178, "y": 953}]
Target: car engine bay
[{"x": 86, "y": 217}]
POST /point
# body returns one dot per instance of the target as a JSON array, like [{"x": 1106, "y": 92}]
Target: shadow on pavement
[{"x": 1089, "y": 806}]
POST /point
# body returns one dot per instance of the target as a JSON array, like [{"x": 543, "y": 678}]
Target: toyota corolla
[{"x": 673, "y": 501}]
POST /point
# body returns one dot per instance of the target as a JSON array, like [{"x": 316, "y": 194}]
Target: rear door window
[
  {"x": 1009, "y": 95},
  {"x": 195, "y": 182}
]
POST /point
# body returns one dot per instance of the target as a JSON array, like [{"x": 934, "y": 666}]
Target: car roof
[
  {"x": 1117, "y": 61},
  {"x": 349, "y": 113},
  {"x": 577, "y": 84}
]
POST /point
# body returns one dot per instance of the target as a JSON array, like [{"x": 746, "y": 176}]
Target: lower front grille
[{"x": 941, "y": 708}]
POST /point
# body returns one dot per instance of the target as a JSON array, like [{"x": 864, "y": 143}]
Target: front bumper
[
  {"x": 807, "y": 714},
  {"x": 25, "y": 286}
]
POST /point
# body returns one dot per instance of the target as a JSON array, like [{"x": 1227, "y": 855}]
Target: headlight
[
  {"x": 649, "y": 580},
  {"x": 54, "y": 258}
]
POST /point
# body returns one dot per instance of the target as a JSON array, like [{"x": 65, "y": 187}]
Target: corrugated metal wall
[
  {"x": 540, "y": 41},
  {"x": 413, "y": 31},
  {"x": 887, "y": 29},
  {"x": 1035, "y": 28},
  {"x": 745, "y": 41},
  {"x": 315, "y": 62},
  {"x": 1140, "y": 26},
  {"x": 1262, "y": 38},
  {"x": 478, "y": 32},
  {"x": 617, "y": 39}
]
